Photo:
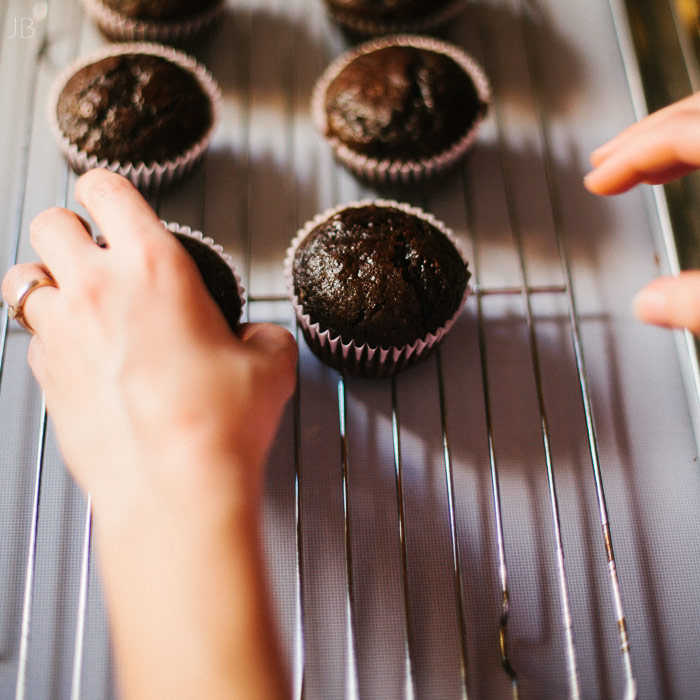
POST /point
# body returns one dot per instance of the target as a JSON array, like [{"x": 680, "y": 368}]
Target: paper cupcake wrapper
[
  {"x": 377, "y": 27},
  {"x": 387, "y": 171},
  {"x": 174, "y": 227},
  {"x": 362, "y": 359},
  {"x": 119, "y": 27},
  {"x": 153, "y": 176}
]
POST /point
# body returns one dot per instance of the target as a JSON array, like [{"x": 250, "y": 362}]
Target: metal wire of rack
[{"x": 330, "y": 605}]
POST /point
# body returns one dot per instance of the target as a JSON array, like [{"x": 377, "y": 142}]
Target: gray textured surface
[{"x": 266, "y": 174}]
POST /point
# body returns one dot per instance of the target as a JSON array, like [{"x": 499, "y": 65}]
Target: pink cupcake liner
[
  {"x": 362, "y": 359},
  {"x": 387, "y": 171},
  {"x": 376, "y": 27},
  {"x": 152, "y": 176},
  {"x": 122, "y": 28},
  {"x": 174, "y": 227}
]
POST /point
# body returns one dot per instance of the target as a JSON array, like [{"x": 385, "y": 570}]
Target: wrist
[
  {"x": 169, "y": 566},
  {"x": 209, "y": 492}
]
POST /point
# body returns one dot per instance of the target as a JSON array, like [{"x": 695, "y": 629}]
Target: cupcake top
[
  {"x": 379, "y": 275},
  {"x": 388, "y": 9},
  {"x": 217, "y": 274},
  {"x": 159, "y": 9},
  {"x": 134, "y": 107},
  {"x": 401, "y": 101}
]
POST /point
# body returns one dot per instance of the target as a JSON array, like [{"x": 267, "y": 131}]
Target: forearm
[
  {"x": 171, "y": 446},
  {"x": 188, "y": 603}
]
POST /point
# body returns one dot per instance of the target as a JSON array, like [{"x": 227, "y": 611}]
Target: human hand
[
  {"x": 663, "y": 146},
  {"x": 671, "y": 301},
  {"x": 165, "y": 417},
  {"x": 143, "y": 379},
  {"x": 659, "y": 148}
]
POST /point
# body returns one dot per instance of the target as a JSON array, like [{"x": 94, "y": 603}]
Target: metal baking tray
[{"x": 519, "y": 516}]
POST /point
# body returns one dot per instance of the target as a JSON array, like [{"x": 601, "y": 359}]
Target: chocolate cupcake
[
  {"x": 169, "y": 21},
  {"x": 217, "y": 270},
  {"x": 401, "y": 109},
  {"x": 375, "y": 285},
  {"x": 142, "y": 110},
  {"x": 375, "y": 17}
]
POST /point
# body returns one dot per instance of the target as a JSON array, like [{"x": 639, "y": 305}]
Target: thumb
[
  {"x": 276, "y": 348},
  {"x": 671, "y": 301}
]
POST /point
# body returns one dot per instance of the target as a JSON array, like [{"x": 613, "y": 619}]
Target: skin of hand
[
  {"x": 165, "y": 417},
  {"x": 672, "y": 302},
  {"x": 657, "y": 149}
]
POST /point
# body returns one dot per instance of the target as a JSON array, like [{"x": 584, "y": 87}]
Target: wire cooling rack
[{"x": 515, "y": 517}]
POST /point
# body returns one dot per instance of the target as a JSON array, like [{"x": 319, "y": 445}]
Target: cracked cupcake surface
[
  {"x": 134, "y": 108},
  {"x": 378, "y": 275},
  {"x": 401, "y": 102}
]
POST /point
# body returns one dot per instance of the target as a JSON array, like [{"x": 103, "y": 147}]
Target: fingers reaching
[
  {"x": 654, "y": 161},
  {"x": 655, "y": 150},
  {"x": 671, "y": 302},
  {"x": 62, "y": 241},
  {"x": 118, "y": 208},
  {"x": 660, "y": 148}
]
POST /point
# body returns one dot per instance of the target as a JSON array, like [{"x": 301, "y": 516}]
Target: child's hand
[{"x": 663, "y": 146}]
